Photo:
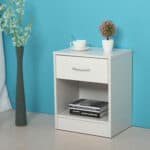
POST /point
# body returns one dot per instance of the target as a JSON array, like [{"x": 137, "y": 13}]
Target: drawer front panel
[
  {"x": 80, "y": 126},
  {"x": 82, "y": 69}
]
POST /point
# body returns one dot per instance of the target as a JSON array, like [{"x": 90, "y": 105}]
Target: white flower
[
  {"x": 5, "y": 15},
  {"x": 20, "y": 11},
  {"x": 11, "y": 22},
  {"x": 2, "y": 7}
]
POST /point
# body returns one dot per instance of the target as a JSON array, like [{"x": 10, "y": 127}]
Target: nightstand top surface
[{"x": 92, "y": 52}]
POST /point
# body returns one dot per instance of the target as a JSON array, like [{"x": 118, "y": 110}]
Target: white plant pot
[{"x": 107, "y": 46}]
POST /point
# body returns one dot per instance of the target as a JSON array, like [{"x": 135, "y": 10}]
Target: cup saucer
[{"x": 79, "y": 49}]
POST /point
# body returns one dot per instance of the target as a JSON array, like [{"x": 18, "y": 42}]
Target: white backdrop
[{"x": 4, "y": 99}]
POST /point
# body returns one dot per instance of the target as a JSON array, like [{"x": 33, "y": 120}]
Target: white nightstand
[{"x": 93, "y": 75}]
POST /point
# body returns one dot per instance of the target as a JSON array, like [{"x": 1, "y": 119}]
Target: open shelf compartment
[{"x": 68, "y": 91}]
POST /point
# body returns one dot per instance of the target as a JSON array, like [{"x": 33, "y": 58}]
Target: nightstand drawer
[
  {"x": 87, "y": 127},
  {"x": 82, "y": 69}
]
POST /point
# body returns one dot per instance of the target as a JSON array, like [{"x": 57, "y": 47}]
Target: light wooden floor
[{"x": 40, "y": 135}]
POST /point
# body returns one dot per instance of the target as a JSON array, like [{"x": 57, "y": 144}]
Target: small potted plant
[{"x": 107, "y": 29}]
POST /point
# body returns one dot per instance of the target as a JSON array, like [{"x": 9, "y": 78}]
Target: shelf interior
[{"x": 68, "y": 91}]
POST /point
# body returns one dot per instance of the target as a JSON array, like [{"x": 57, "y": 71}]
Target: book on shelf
[
  {"x": 89, "y": 104},
  {"x": 89, "y": 114},
  {"x": 88, "y": 107}
]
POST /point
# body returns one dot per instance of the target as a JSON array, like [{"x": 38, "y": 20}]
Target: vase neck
[
  {"x": 20, "y": 48},
  {"x": 19, "y": 53}
]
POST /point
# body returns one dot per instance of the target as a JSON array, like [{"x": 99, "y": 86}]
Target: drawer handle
[{"x": 78, "y": 69}]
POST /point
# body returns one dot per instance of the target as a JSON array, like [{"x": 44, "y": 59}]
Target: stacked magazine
[{"x": 92, "y": 108}]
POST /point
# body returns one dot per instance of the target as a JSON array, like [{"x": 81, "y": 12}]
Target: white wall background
[{"x": 4, "y": 99}]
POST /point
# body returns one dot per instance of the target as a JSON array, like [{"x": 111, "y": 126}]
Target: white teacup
[{"x": 78, "y": 44}]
